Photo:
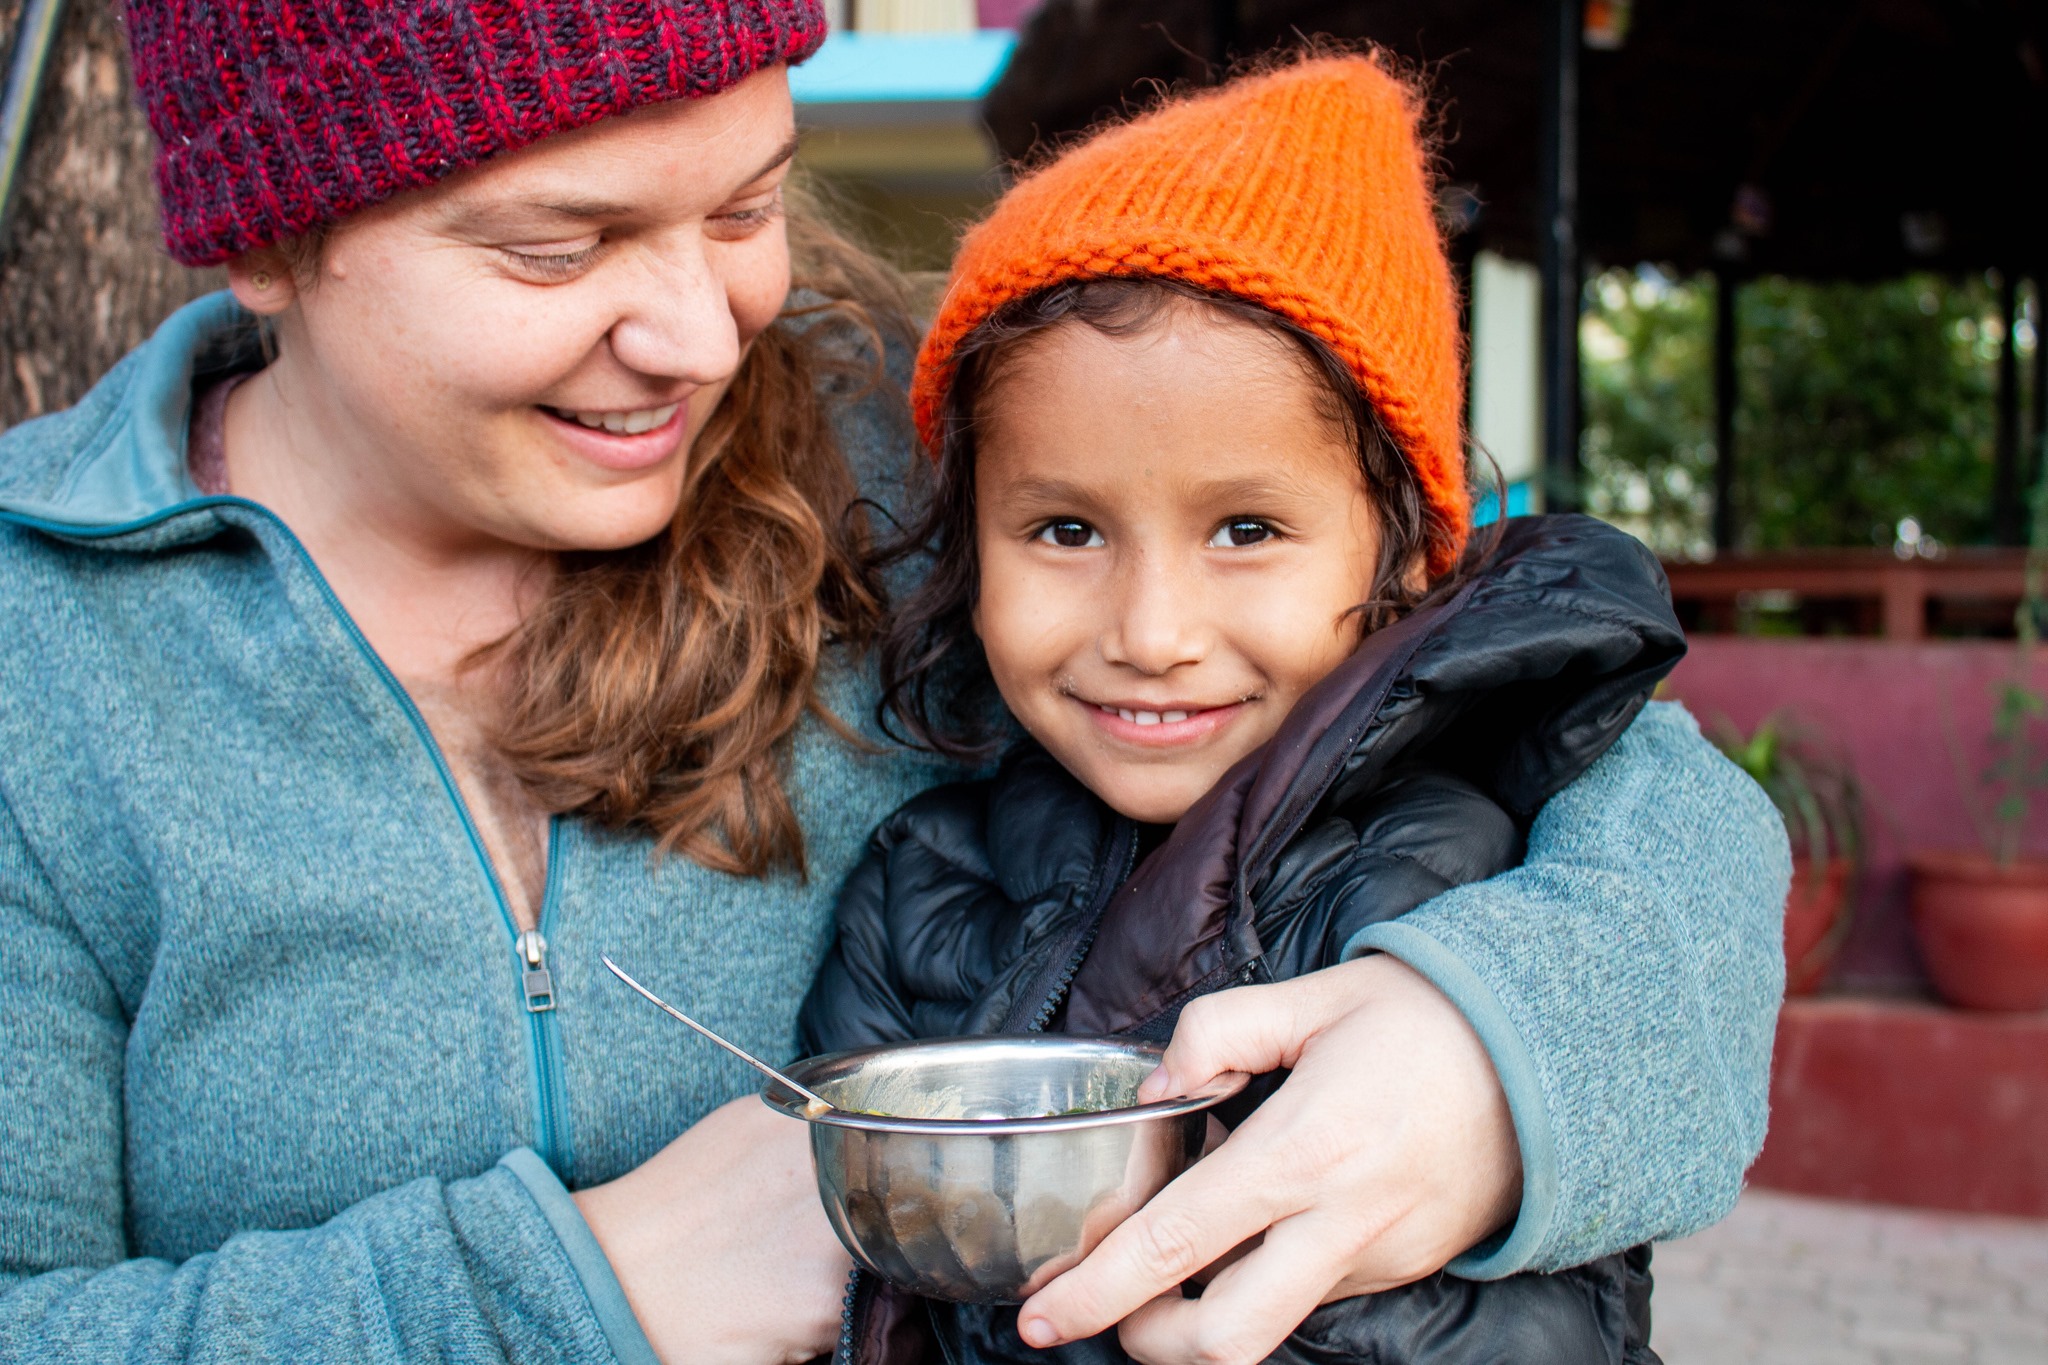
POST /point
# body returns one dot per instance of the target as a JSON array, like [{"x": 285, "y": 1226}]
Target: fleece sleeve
[
  {"x": 487, "y": 1269},
  {"x": 1626, "y": 981}
]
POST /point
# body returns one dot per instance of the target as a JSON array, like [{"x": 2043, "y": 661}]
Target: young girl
[{"x": 1202, "y": 521}]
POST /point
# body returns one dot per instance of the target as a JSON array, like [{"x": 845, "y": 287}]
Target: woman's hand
[
  {"x": 1389, "y": 1151},
  {"x": 721, "y": 1244}
]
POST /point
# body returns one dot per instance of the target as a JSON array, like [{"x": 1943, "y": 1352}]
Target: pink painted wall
[{"x": 1884, "y": 702}]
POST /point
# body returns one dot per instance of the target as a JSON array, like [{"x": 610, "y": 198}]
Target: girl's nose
[
  {"x": 1157, "y": 621},
  {"x": 676, "y": 321}
]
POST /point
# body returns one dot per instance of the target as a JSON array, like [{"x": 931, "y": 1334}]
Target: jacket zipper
[
  {"x": 848, "y": 1306},
  {"x": 544, "y": 1032},
  {"x": 551, "y": 1130},
  {"x": 1124, "y": 849}
]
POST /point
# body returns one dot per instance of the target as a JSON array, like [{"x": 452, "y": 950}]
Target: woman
[{"x": 358, "y": 664}]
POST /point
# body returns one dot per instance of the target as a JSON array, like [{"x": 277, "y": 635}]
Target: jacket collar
[{"x": 117, "y": 461}]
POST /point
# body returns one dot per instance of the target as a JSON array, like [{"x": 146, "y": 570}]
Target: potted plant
[
  {"x": 1814, "y": 788},
  {"x": 1981, "y": 915}
]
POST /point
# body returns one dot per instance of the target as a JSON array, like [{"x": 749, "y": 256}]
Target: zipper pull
[{"x": 534, "y": 979}]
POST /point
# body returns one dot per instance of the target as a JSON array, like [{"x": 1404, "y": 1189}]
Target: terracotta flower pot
[
  {"x": 1983, "y": 929},
  {"x": 1813, "y": 911}
]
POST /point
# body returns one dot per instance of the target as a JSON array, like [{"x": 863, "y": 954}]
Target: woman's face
[
  {"x": 1172, "y": 535},
  {"x": 524, "y": 353}
]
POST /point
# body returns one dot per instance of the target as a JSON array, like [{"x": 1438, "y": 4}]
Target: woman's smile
[{"x": 622, "y": 440}]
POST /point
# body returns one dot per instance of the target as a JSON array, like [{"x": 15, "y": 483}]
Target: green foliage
[
  {"x": 2019, "y": 760},
  {"x": 1861, "y": 404},
  {"x": 2018, "y": 767},
  {"x": 1648, "y": 446}
]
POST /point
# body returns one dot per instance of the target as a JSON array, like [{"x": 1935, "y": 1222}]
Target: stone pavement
[{"x": 1788, "y": 1280}]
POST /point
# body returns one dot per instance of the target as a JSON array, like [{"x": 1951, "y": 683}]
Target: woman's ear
[{"x": 263, "y": 282}]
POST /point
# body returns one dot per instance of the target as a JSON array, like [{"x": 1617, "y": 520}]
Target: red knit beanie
[{"x": 276, "y": 116}]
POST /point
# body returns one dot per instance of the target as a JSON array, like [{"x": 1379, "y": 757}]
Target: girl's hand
[
  {"x": 721, "y": 1244},
  {"x": 1389, "y": 1151}
]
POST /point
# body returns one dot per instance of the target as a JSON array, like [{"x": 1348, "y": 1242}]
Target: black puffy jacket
[{"x": 1021, "y": 902}]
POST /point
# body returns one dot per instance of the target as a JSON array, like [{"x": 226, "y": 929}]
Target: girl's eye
[
  {"x": 1070, "y": 535},
  {"x": 1241, "y": 531},
  {"x": 552, "y": 261}
]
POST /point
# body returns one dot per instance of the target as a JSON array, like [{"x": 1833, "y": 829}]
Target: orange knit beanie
[{"x": 1303, "y": 190}]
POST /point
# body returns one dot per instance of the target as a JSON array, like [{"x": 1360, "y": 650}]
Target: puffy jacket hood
[{"x": 1517, "y": 683}]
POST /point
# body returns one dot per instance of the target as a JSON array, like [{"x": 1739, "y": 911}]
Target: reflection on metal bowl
[{"x": 977, "y": 1169}]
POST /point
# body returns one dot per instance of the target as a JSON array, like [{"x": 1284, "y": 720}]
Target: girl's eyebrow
[
  {"x": 1249, "y": 488},
  {"x": 1049, "y": 492}
]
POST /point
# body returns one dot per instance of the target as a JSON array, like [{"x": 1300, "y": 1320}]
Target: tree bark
[{"x": 83, "y": 274}]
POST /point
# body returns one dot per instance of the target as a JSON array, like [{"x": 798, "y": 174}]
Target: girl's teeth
[
  {"x": 623, "y": 423},
  {"x": 1145, "y": 717}
]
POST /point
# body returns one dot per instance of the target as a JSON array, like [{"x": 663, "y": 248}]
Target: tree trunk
[{"x": 83, "y": 274}]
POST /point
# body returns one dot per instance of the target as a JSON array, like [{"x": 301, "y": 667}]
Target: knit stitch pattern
[
  {"x": 274, "y": 117},
  {"x": 1304, "y": 190}
]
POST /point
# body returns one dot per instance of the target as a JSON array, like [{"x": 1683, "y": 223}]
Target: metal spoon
[{"x": 814, "y": 1103}]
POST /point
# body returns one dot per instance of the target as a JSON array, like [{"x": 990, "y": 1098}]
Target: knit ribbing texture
[
  {"x": 1305, "y": 190},
  {"x": 274, "y": 117}
]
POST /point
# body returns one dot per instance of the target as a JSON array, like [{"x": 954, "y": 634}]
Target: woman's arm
[
  {"x": 1626, "y": 979},
  {"x": 499, "y": 1267},
  {"x": 1577, "y": 1051}
]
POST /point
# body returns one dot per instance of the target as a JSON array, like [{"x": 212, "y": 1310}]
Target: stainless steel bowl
[{"x": 1002, "y": 1161}]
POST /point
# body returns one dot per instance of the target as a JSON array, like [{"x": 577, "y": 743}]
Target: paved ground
[{"x": 1793, "y": 1281}]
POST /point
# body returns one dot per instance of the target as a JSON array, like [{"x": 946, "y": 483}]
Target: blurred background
[{"x": 1760, "y": 282}]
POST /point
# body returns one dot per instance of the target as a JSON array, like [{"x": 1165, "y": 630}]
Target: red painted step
[{"x": 1896, "y": 1102}]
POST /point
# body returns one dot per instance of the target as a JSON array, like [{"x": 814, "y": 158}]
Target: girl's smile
[{"x": 1164, "y": 725}]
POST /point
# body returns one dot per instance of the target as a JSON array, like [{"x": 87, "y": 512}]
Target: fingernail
[
  {"x": 1037, "y": 1332},
  {"x": 1153, "y": 1086}
]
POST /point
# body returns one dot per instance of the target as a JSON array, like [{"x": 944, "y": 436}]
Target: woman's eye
[
  {"x": 554, "y": 261},
  {"x": 735, "y": 224},
  {"x": 1070, "y": 535},
  {"x": 1241, "y": 531}
]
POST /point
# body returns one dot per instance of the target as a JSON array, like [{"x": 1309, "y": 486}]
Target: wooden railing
[{"x": 1854, "y": 592}]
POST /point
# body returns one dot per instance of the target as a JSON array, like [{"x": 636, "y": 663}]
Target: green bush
[{"x": 1861, "y": 405}]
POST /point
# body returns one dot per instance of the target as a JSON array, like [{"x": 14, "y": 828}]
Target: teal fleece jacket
[{"x": 281, "y": 1088}]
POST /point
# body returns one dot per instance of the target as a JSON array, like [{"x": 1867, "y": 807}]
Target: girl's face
[
  {"x": 1171, "y": 533},
  {"x": 524, "y": 352}
]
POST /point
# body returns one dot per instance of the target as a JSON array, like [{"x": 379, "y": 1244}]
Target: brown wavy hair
[{"x": 659, "y": 685}]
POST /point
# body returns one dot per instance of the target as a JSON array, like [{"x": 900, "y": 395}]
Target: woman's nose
[
  {"x": 1157, "y": 620},
  {"x": 676, "y": 319}
]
